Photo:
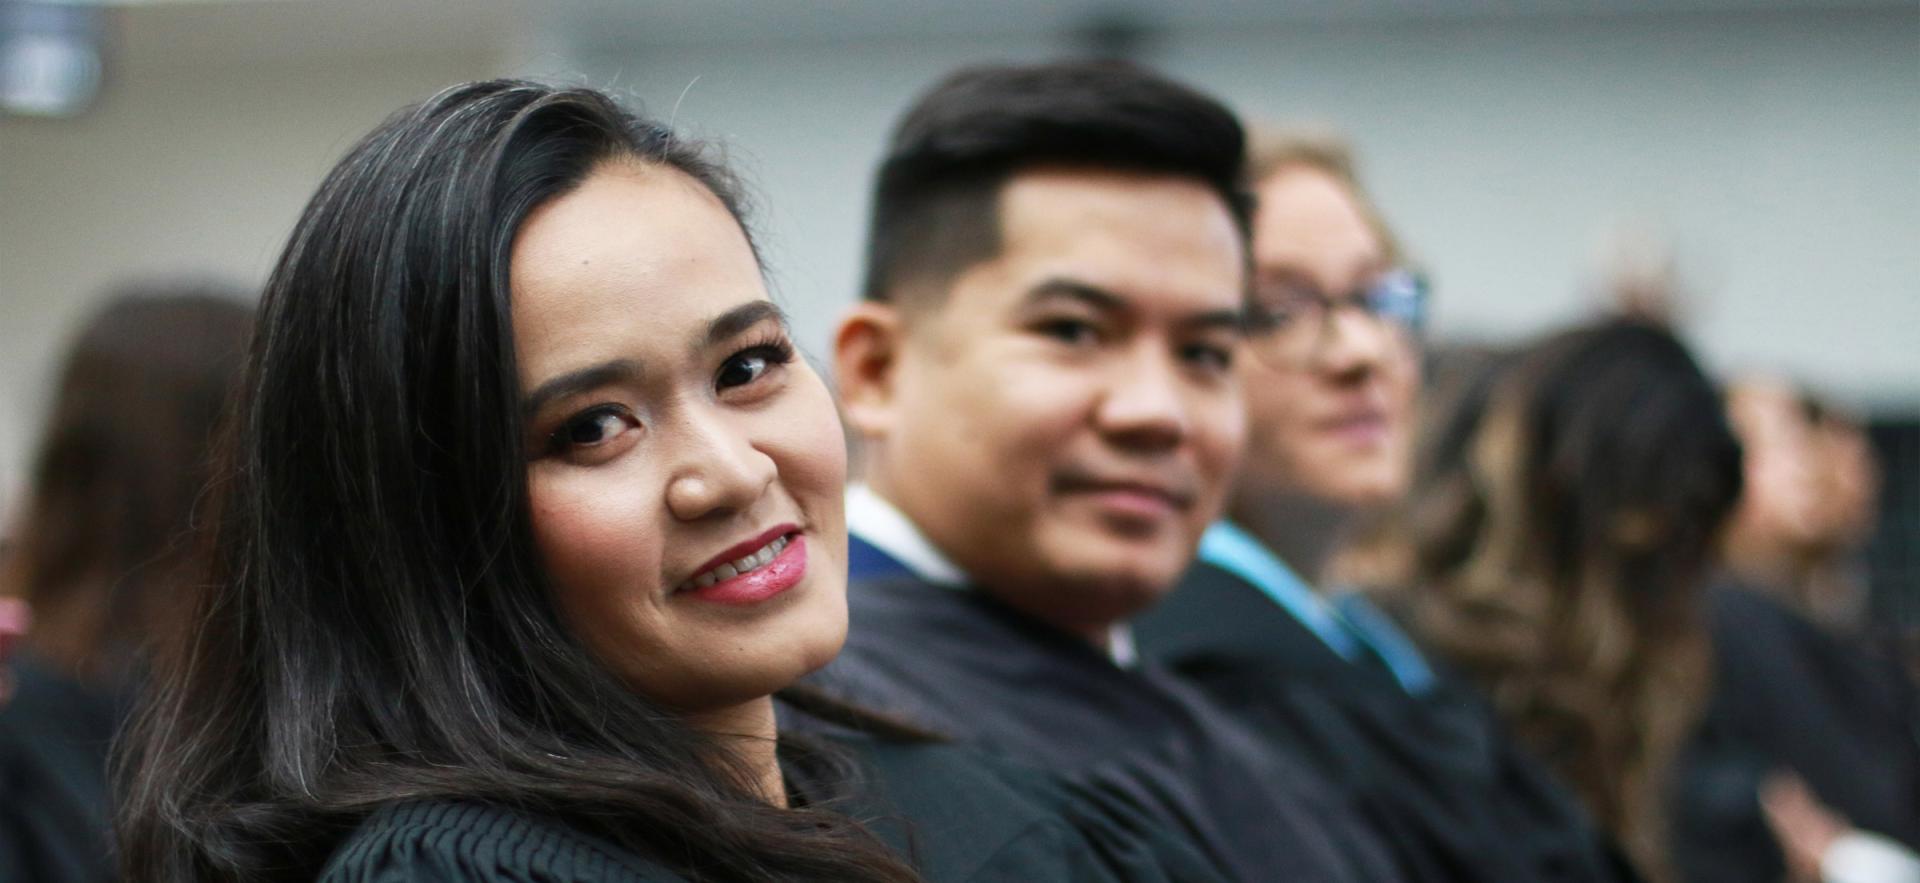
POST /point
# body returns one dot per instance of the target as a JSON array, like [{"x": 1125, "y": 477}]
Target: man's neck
[
  {"x": 1305, "y": 532},
  {"x": 931, "y": 564}
]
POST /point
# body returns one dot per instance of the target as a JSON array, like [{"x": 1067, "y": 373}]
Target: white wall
[
  {"x": 805, "y": 123},
  {"x": 1781, "y": 151},
  {"x": 189, "y": 170},
  {"x": 1778, "y": 152}
]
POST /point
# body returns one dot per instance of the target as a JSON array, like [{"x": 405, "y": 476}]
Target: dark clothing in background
[
  {"x": 953, "y": 816},
  {"x": 54, "y": 817},
  {"x": 1789, "y": 696},
  {"x": 1436, "y": 769},
  {"x": 957, "y": 662}
]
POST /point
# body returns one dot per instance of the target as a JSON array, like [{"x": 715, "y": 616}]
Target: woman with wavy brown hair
[{"x": 1561, "y": 537}]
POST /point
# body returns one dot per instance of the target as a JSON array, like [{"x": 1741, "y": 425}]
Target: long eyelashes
[
  {"x": 775, "y": 347},
  {"x": 754, "y": 360}
]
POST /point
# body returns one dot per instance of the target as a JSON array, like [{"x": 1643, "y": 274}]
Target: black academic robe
[
  {"x": 959, "y": 663},
  {"x": 54, "y": 812},
  {"x": 955, "y": 818},
  {"x": 1789, "y": 696},
  {"x": 1462, "y": 801}
]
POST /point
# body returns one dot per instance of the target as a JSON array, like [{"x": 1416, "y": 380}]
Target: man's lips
[{"x": 1129, "y": 496}]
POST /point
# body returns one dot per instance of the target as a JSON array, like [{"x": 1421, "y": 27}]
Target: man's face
[
  {"x": 1330, "y": 401},
  {"x": 1064, "y": 422}
]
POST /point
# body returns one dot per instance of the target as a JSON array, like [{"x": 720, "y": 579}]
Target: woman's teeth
[{"x": 734, "y": 568}]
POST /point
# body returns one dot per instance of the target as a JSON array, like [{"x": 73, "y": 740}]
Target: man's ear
[{"x": 866, "y": 363}]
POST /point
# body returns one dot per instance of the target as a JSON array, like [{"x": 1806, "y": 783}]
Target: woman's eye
[
  {"x": 594, "y": 427},
  {"x": 752, "y": 363},
  {"x": 1277, "y": 306},
  {"x": 742, "y": 370},
  {"x": 1073, "y": 331}
]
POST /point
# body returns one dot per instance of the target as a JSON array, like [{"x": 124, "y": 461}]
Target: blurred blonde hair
[{"x": 1274, "y": 150}]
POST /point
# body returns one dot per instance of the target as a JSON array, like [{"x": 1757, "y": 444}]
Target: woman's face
[
  {"x": 1329, "y": 403},
  {"x": 686, "y": 468}
]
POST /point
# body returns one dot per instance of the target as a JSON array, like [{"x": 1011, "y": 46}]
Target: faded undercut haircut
[{"x": 936, "y": 199}]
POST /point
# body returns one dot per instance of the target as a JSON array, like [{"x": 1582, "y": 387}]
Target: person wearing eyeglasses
[{"x": 1257, "y": 622}]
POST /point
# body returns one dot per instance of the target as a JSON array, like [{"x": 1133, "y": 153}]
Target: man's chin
[{"x": 1115, "y": 594}]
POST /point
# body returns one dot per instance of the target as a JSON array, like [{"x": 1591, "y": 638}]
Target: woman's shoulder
[
  {"x": 462, "y": 841},
  {"x": 969, "y": 816}
]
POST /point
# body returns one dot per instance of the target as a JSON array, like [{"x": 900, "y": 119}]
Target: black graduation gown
[
  {"x": 54, "y": 813},
  {"x": 1462, "y": 801},
  {"x": 953, "y": 816},
  {"x": 1789, "y": 696},
  {"x": 959, "y": 663}
]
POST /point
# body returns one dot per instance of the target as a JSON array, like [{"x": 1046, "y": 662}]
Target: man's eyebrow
[
  {"x": 573, "y": 382},
  {"x": 739, "y": 319},
  {"x": 1234, "y": 320},
  {"x": 1073, "y": 289}
]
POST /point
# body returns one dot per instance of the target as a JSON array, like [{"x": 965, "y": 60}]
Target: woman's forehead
[{"x": 636, "y": 259}]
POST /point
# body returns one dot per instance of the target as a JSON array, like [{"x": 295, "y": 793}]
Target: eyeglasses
[{"x": 1295, "y": 316}]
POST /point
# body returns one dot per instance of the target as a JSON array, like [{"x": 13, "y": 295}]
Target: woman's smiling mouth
[{"x": 752, "y": 571}]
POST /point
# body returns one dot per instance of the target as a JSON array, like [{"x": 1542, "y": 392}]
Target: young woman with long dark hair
[{"x": 529, "y": 510}]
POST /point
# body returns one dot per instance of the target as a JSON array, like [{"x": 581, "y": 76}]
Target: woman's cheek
[
  {"x": 813, "y": 438},
  {"x": 592, "y": 536}
]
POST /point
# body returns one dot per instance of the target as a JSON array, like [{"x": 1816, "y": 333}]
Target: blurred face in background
[
  {"x": 1330, "y": 391},
  {"x": 1848, "y": 481},
  {"x": 1063, "y": 420},
  {"x": 1779, "y": 506}
]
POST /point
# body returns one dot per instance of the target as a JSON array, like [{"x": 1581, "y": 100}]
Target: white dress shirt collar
[{"x": 881, "y": 524}]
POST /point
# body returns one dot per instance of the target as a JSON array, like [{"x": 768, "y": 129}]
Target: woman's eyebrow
[
  {"x": 591, "y": 377},
  {"x": 739, "y": 319}
]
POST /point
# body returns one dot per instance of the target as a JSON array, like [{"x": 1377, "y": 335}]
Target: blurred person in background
[
  {"x": 1815, "y": 489},
  {"x": 1847, "y": 509},
  {"x": 528, "y": 509},
  {"x": 1561, "y": 550},
  {"x": 1259, "y": 623},
  {"x": 1042, "y": 382},
  {"x": 1807, "y": 765},
  {"x": 102, "y": 558}
]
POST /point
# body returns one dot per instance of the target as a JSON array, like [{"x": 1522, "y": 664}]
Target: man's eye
[{"x": 1074, "y": 331}]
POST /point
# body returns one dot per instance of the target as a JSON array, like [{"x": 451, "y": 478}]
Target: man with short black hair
[{"x": 1042, "y": 376}]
